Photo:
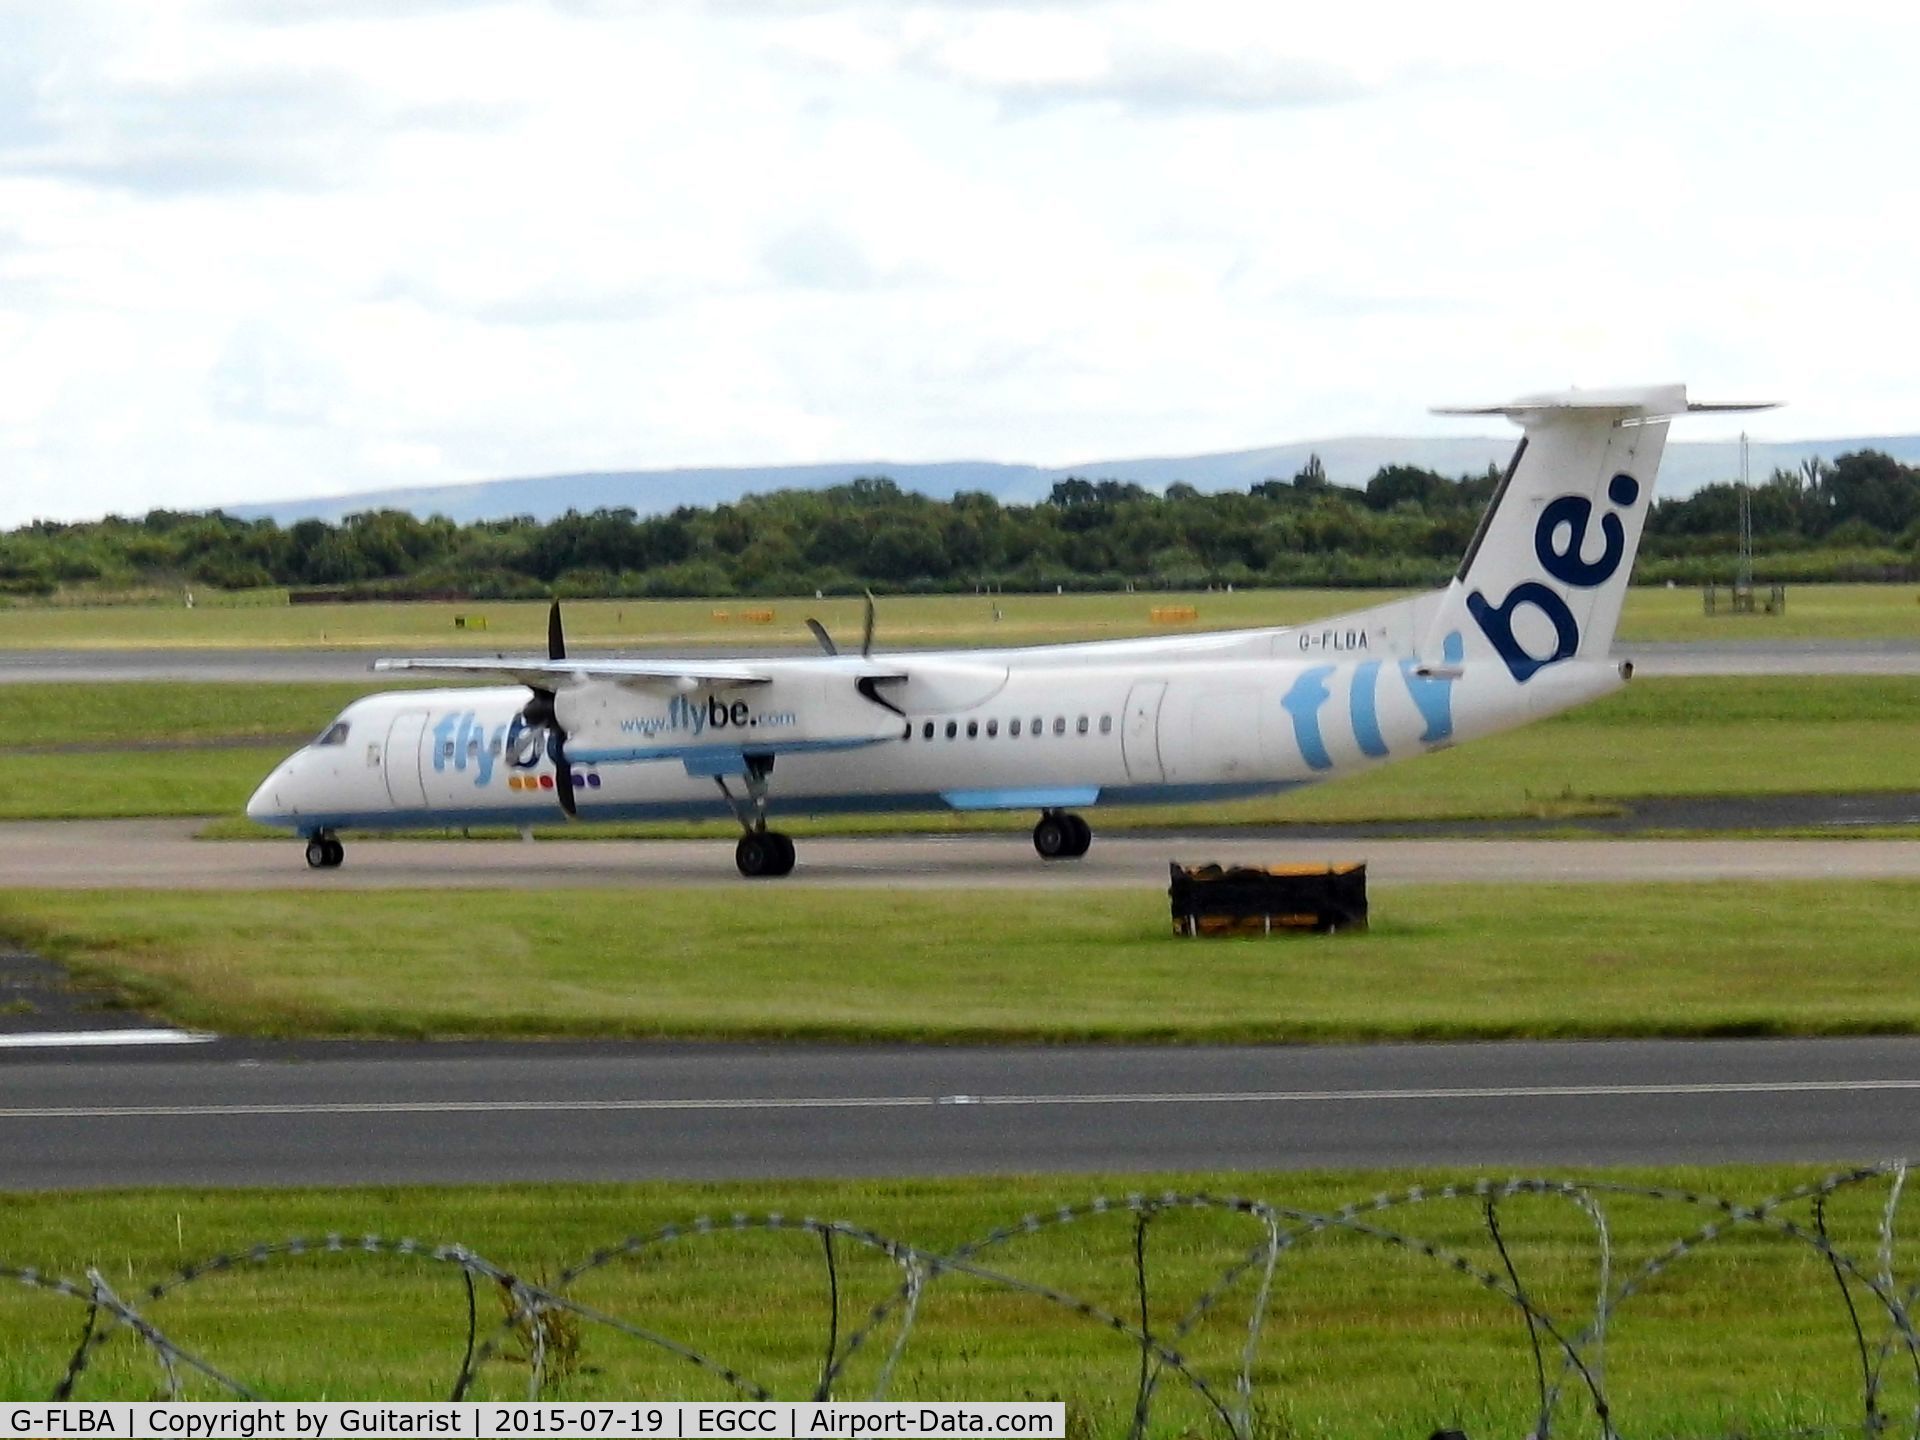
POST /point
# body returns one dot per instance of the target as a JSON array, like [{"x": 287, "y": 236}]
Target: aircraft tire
[
  {"x": 1082, "y": 835},
  {"x": 1053, "y": 837},
  {"x": 325, "y": 853},
  {"x": 764, "y": 855},
  {"x": 783, "y": 859}
]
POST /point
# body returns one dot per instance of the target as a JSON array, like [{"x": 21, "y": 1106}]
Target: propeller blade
[
  {"x": 820, "y": 634},
  {"x": 556, "y": 637},
  {"x": 866, "y": 631},
  {"x": 544, "y": 725},
  {"x": 563, "y": 785}
]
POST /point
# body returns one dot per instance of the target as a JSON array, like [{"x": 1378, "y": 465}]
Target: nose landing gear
[
  {"x": 1061, "y": 835},
  {"x": 324, "y": 852}
]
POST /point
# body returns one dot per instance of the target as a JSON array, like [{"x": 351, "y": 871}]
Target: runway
[
  {"x": 280, "y": 1115},
  {"x": 289, "y": 664},
  {"x": 162, "y": 855}
]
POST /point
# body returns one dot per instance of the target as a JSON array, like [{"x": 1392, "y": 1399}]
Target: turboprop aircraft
[{"x": 1523, "y": 630}]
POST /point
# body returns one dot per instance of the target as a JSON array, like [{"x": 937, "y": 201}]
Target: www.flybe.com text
[{"x": 696, "y": 717}]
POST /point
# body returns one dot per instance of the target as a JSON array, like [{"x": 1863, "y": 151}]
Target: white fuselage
[{"x": 978, "y": 731}]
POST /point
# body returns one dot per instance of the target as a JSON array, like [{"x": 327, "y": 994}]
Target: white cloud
[{"x": 259, "y": 249}]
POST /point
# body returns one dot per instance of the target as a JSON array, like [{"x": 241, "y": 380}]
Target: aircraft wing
[{"x": 681, "y": 675}]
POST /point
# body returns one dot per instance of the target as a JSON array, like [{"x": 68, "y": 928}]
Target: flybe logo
[
  {"x": 1432, "y": 697},
  {"x": 696, "y": 717},
  {"x": 1571, "y": 517},
  {"x": 462, "y": 742}
]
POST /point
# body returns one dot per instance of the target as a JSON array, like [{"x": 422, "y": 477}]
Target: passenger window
[
  {"x": 493, "y": 746},
  {"x": 1106, "y": 724},
  {"x": 473, "y": 748},
  {"x": 1059, "y": 724},
  {"x": 953, "y": 728},
  {"x": 1013, "y": 728},
  {"x": 1080, "y": 725},
  {"x": 993, "y": 728},
  {"x": 447, "y": 750},
  {"x": 336, "y": 734},
  {"x": 926, "y": 732},
  {"x": 973, "y": 729},
  {"x": 1039, "y": 727}
]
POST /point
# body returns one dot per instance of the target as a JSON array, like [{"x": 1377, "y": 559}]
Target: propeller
[
  {"x": 540, "y": 713},
  {"x": 866, "y": 632}
]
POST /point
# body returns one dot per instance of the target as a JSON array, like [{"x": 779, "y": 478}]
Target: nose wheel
[
  {"x": 1061, "y": 835},
  {"x": 324, "y": 852}
]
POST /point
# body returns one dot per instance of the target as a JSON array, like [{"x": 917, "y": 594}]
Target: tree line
[{"x": 1856, "y": 518}]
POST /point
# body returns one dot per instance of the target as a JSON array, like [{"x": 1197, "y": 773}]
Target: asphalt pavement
[
  {"x": 163, "y": 855},
  {"x": 286, "y": 664},
  {"x": 238, "y": 1113}
]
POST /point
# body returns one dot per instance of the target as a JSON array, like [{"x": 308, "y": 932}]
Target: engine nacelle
[{"x": 608, "y": 722}]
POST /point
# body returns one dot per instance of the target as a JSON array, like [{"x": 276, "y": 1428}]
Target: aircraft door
[
  {"x": 1140, "y": 732},
  {"x": 404, "y": 737}
]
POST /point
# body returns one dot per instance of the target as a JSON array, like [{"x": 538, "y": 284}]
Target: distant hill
[{"x": 1688, "y": 466}]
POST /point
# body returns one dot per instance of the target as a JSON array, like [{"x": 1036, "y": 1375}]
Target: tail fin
[{"x": 1547, "y": 571}]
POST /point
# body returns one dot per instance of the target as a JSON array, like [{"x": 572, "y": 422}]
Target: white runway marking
[
  {"x": 899, "y": 1102},
  {"x": 61, "y": 1039}
]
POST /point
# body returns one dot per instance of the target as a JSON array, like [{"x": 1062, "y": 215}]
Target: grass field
[
  {"x": 1838, "y": 612},
  {"x": 1747, "y": 1335},
  {"x": 1453, "y": 962},
  {"x": 1709, "y": 736}
]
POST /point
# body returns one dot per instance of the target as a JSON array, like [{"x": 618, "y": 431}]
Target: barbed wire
[{"x": 1567, "y": 1349}]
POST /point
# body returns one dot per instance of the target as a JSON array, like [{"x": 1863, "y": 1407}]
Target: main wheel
[
  {"x": 764, "y": 855},
  {"x": 1082, "y": 835},
  {"x": 318, "y": 854},
  {"x": 783, "y": 859},
  {"x": 336, "y": 852},
  {"x": 1053, "y": 837}
]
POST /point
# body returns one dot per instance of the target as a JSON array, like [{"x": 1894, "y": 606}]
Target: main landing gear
[
  {"x": 762, "y": 854},
  {"x": 324, "y": 852},
  {"x": 1061, "y": 835}
]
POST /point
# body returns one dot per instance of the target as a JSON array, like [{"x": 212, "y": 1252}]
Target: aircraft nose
[{"x": 265, "y": 803}]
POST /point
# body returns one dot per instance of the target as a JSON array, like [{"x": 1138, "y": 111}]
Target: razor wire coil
[{"x": 1567, "y": 1350}]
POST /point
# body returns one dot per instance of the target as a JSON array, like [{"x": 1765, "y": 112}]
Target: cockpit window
[{"x": 336, "y": 734}]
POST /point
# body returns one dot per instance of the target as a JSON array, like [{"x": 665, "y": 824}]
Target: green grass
[
  {"x": 1814, "y": 612},
  {"x": 1652, "y": 613},
  {"x": 906, "y": 621},
  {"x": 1748, "y": 1334},
  {"x": 1452, "y": 962},
  {"x": 148, "y": 711},
  {"x": 127, "y": 783}
]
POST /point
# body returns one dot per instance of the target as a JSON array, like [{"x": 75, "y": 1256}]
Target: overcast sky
[{"x": 265, "y": 248}]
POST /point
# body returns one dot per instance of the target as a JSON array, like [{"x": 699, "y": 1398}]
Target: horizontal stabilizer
[{"x": 1641, "y": 401}]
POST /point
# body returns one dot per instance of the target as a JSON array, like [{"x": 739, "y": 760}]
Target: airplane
[{"x": 1523, "y": 630}]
